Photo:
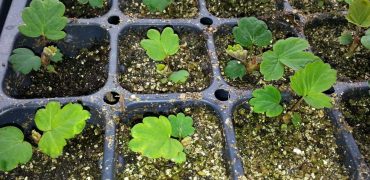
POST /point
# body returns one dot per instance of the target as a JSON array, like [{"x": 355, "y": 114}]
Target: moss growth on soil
[
  {"x": 319, "y": 6},
  {"x": 323, "y": 37},
  {"x": 204, "y": 154},
  {"x": 234, "y": 8},
  {"x": 81, "y": 159},
  {"x": 140, "y": 75},
  {"x": 76, "y": 10},
  {"x": 177, "y": 9},
  {"x": 224, "y": 37},
  {"x": 270, "y": 152},
  {"x": 357, "y": 112},
  {"x": 76, "y": 76}
]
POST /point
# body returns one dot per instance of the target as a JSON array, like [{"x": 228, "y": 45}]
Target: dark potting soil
[
  {"x": 323, "y": 37},
  {"x": 74, "y": 9},
  {"x": 177, "y": 9},
  {"x": 319, "y": 6},
  {"x": 139, "y": 72},
  {"x": 224, "y": 37},
  {"x": 76, "y": 76},
  {"x": 357, "y": 114},
  {"x": 204, "y": 152},
  {"x": 272, "y": 152},
  {"x": 81, "y": 159},
  {"x": 238, "y": 8}
]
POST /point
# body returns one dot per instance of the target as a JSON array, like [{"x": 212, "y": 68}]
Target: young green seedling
[
  {"x": 157, "y": 5},
  {"x": 93, "y": 3},
  {"x": 24, "y": 60},
  {"x": 358, "y": 14},
  {"x": 44, "y": 18},
  {"x": 152, "y": 137}
]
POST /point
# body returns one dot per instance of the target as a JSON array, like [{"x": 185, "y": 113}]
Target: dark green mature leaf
[
  {"x": 160, "y": 46},
  {"x": 44, "y": 18},
  {"x": 14, "y": 150},
  {"x": 345, "y": 38},
  {"x": 157, "y": 5},
  {"x": 251, "y": 31},
  {"x": 267, "y": 101},
  {"x": 365, "y": 40},
  {"x": 179, "y": 76},
  {"x": 182, "y": 125},
  {"x": 311, "y": 81},
  {"x": 152, "y": 139},
  {"x": 24, "y": 60},
  {"x": 58, "y": 125},
  {"x": 289, "y": 52},
  {"x": 359, "y": 13},
  {"x": 235, "y": 69},
  {"x": 93, "y": 3}
]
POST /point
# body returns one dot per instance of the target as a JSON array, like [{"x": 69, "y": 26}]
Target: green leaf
[
  {"x": 235, "y": 69},
  {"x": 289, "y": 52},
  {"x": 160, "y": 46},
  {"x": 24, "y": 60},
  {"x": 251, "y": 31},
  {"x": 58, "y": 125},
  {"x": 157, "y": 5},
  {"x": 93, "y": 3},
  {"x": 267, "y": 101},
  {"x": 179, "y": 76},
  {"x": 359, "y": 13},
  {"x": 311, "y": 81},
  {"x": 53, "y": 53},
  {"x": 345, "y": 38},
  {"x": 296, "y": 119},
  {"x": 14, "y": 150},
  {"x": 152, "y": 139},
  {"x": 237, "y": 52},
  {"x": 182, "y": 126},
  {"x": 365, "y": 40},
  {"x": 44, "y": 18}
]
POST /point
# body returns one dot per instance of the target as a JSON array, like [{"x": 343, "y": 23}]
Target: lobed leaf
[
  {"x": 179, "y": 76},
  {"x": 182, "y": 126},
  {"x": 251, "y": 31},
  {"x": 157, "y": 5},
  {"x": 359, "y": 13},
  {"x": 267, "y": 101},
  {"x": 24, "y": 61},
  {"x": 235, "y": 69},
  {"x": 237, "y": 52}
]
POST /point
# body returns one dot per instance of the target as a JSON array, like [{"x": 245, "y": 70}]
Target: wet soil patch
[
  {"x": 356, "y": 111},
  {"x": 269, "y": 151},
  {"x": 138, "y": 71},
  {"x": 177, "y": 9},
  {"x": 228, "y": 9},
  {"x": 323, "y": 33},
  {"x": 319, "y": 6},
  {"x": 224, "y": 37},
  {"x": 204, "y": 153},
  {"x": 74, "y": 9},
  {"x": 81, "y": 159}
]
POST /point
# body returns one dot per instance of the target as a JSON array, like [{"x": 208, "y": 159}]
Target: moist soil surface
[
  {"x": 76, "y": 10},
  {"x": 204, "y": 153},
  {"x": 81, "y": 159},
  {"x": 177, "y": 9},
  {"x": 318, "y": 6},
  {"x": 139, "y": 72},
  {"x": 224, "y": 37},
  {"x": 76, "y": 76},
  {"x": 357, "y": 112},
  {"x": 272, "y": 152},
  {"x": 235, "y": 8},
  {"x": 323, "y": 37}
]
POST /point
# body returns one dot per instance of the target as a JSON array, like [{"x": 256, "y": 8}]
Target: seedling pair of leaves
[
  {"x": 160, "y": 46},
  {"x": 153, "y": 137},
  {"x": 157, "y": 5},
  {"x": 93, "y": 3},
  {"x": 57, "y": 123},
  {"x": 358, "y": 14}
]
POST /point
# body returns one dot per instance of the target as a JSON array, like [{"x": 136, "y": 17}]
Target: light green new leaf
[
  {"x": 237, "y": 52},
  {"x": 311, "y": 81},
  {"x": 182, "y": 126},
  {"x": 152, "y": 139},
  {"x": 160, "y": 46},
  {"x": 179, "y": 76},
  {"x": 157, "y": 5},
  {"x": 267, "y": 101},
  {"x": 296, "y": 119},
  {"x": 359, "y": 13},
  {"x": 345, "y": 38},
  {"x": 235, "y": 69},
  {"x": 44, "y": 18},
  {"x": 24, "y": 60},
  {"x": 58, "y": 125},
  {"x": 93, "y": 3},
  {"x": 365, "y": 40},
  {"x": 14, "y": 150},
  {"x": 251, "y": 31},
  {"x": 289, "y": 52}
]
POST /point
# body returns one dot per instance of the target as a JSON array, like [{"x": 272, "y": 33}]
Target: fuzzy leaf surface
[
  {"x": 267, "y": 101},
  {"x": 24, "y": 61},
  {"x": 359, "y": 13},
  {"x": 251, "y": 31},
  {"x": 182, "y": 126}
]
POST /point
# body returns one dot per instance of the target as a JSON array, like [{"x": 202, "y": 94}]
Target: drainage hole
[
  {"x": 222, "y": 94},
  {"x": 113, "y": 20},
  {"x": 111, "y": 98},
  {"x": 206, "y": 21}
]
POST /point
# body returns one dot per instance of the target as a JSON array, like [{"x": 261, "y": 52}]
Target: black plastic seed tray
[
  {"x": 4, "y": 8},
  {"x": 219, "y": 96}
]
